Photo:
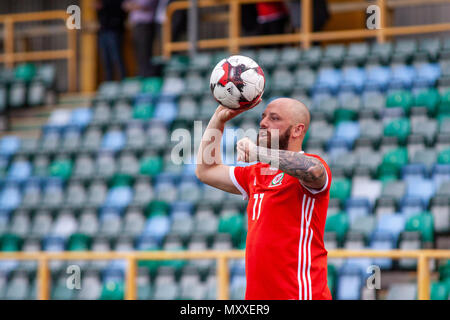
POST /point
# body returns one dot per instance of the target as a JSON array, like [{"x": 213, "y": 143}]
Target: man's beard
[{"x": 283, "y": 142}]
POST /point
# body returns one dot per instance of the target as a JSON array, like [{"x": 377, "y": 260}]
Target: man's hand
[
  {"x": 225, "y": 114},
  {"x": 246, "y": 150}
]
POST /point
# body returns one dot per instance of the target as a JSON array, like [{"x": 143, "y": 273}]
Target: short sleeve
[
  {"x": 327, "y": 184},
  {"x": 240, "y": 177}
]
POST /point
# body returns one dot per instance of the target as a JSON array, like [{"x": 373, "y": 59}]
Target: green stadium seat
[
  {"x": 79, "y": 242},
  {"x": 399, "y": 128},
  {"x": 331, "y": 278},
  {"x": 61, "y": 168},
  {"x": 429, "y": 99},
  {"x": 233, "y": 224},
  {"x": 339, "y": 224},
  {"x": 392, "y": 162},
  {"x": 151, "y": 165},
  {"x": 439, "y": 291},
  {"x": 444, "y": 157},
  {"x": 422, "y": 223},
  {"x": 444, "y": 106},
  {"x": 25, "y": 71},
  {"x": 400, "y": 99},
  {"x": 10, "y": 242},
  {"x": 340, "y": 188},
  {"x": 151, "y": 85},
  {"x": 121, "y": 179},
  {"x": 156, "y": 207},
  {"x": 112, "y": 290},
  {"x": 143, "y": 111}
]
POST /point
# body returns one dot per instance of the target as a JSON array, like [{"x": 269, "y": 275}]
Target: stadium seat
[
  {"x": 349, "y": 283},
  {"x": 340, "y": 189},
  {"x": 402, "y": 291},
  {"x": 391, "y": 223},
  {"x": 423, "y": 223},
  {"x": 439, "y": 291},
  {"x": 399, "y": 128}
]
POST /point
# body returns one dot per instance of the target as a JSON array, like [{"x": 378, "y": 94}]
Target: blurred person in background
[
  {"x": 142, "y": 15},
  {"x": 111, "y": 18},
  {"x": 320, "y": 14},
  {"x": 272, "y": 17}
]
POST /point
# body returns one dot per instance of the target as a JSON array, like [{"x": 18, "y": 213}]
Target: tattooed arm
[{"x": 309, "y": 170}]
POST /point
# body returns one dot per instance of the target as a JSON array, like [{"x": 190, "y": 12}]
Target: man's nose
[{"x": 263, "y": 124}]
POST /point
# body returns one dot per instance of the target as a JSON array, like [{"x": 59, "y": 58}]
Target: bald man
[{"x": 288, "y": 194}]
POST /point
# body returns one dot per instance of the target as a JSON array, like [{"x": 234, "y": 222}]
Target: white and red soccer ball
[{"x": 237, "y": 82}]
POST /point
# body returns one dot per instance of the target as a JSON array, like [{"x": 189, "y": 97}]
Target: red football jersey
[{"x": 285, "y": 256}]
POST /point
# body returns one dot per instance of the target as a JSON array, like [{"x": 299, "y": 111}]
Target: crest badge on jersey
[{"x": 277, "y": 180}]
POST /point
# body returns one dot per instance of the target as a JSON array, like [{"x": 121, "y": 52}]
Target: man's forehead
[{"x": 278, "y": 107}]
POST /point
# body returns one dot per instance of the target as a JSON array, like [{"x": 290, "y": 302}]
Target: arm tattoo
[{"x": 308, "y": 169}]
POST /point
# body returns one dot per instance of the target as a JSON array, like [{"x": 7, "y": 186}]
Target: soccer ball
[{"x": 237, "y": 82}]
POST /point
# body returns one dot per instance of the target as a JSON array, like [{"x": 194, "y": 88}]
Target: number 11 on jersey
[{"x": 257, "y": 196}]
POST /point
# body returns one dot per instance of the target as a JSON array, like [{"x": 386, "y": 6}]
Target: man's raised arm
[{"x": 210, "y": 169}]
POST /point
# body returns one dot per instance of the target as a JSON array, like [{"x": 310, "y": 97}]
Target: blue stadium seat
[
  {"x": 347, "y": 131},
  {"x": 414, "y": 171},
  {"x": 19, "y": 170},
  {"x": 9, "y": 145},
  {"x": 119, "y": 197},
  {"x": 350, "y": 282},
  {"x": 357, "y": 207},
  {"x": 380, "y": 240},
  {"x": 391, "y": 223},
  {"x": 157, "y": 226},
  {"x": 328, "y": 80},
  {"x": 113, "y": 140},
  {"x": 113, "y": 273},
  {"x": 146, "y": 242},
  {"x": 353, "y": 78},
  {"x": 411, "y": 205},
  {"x": 402, "y": 77},
  {"x": 54, "y": 243},
  {"x": 166, "y": 110},
  {"x": 426, "y": 75},
  {"x": 10, "y": 197},
  {"x": 422, "y": 188},
  {"x": 182, "y": 206},
  {"x": 377, "y": 78},
  {"x": 81, "y": 117},
  {"x": 337, "y": 146}
]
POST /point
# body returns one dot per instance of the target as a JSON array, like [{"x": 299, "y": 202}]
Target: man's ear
[{"x": 298, "y": 130}]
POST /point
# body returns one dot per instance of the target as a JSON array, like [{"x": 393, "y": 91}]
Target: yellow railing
[
  {"x": 306, "y": 36},
  {"x": 221, "y": 257},
  {"x": 9, "y": 57}
]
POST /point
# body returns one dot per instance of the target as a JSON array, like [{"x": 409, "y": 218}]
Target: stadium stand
[{"x": 100, "y": 177}]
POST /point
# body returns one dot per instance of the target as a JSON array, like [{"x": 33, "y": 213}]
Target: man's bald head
[
  {"x": 294, "y": 110},
  {"x": 287, "y": 120}
]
